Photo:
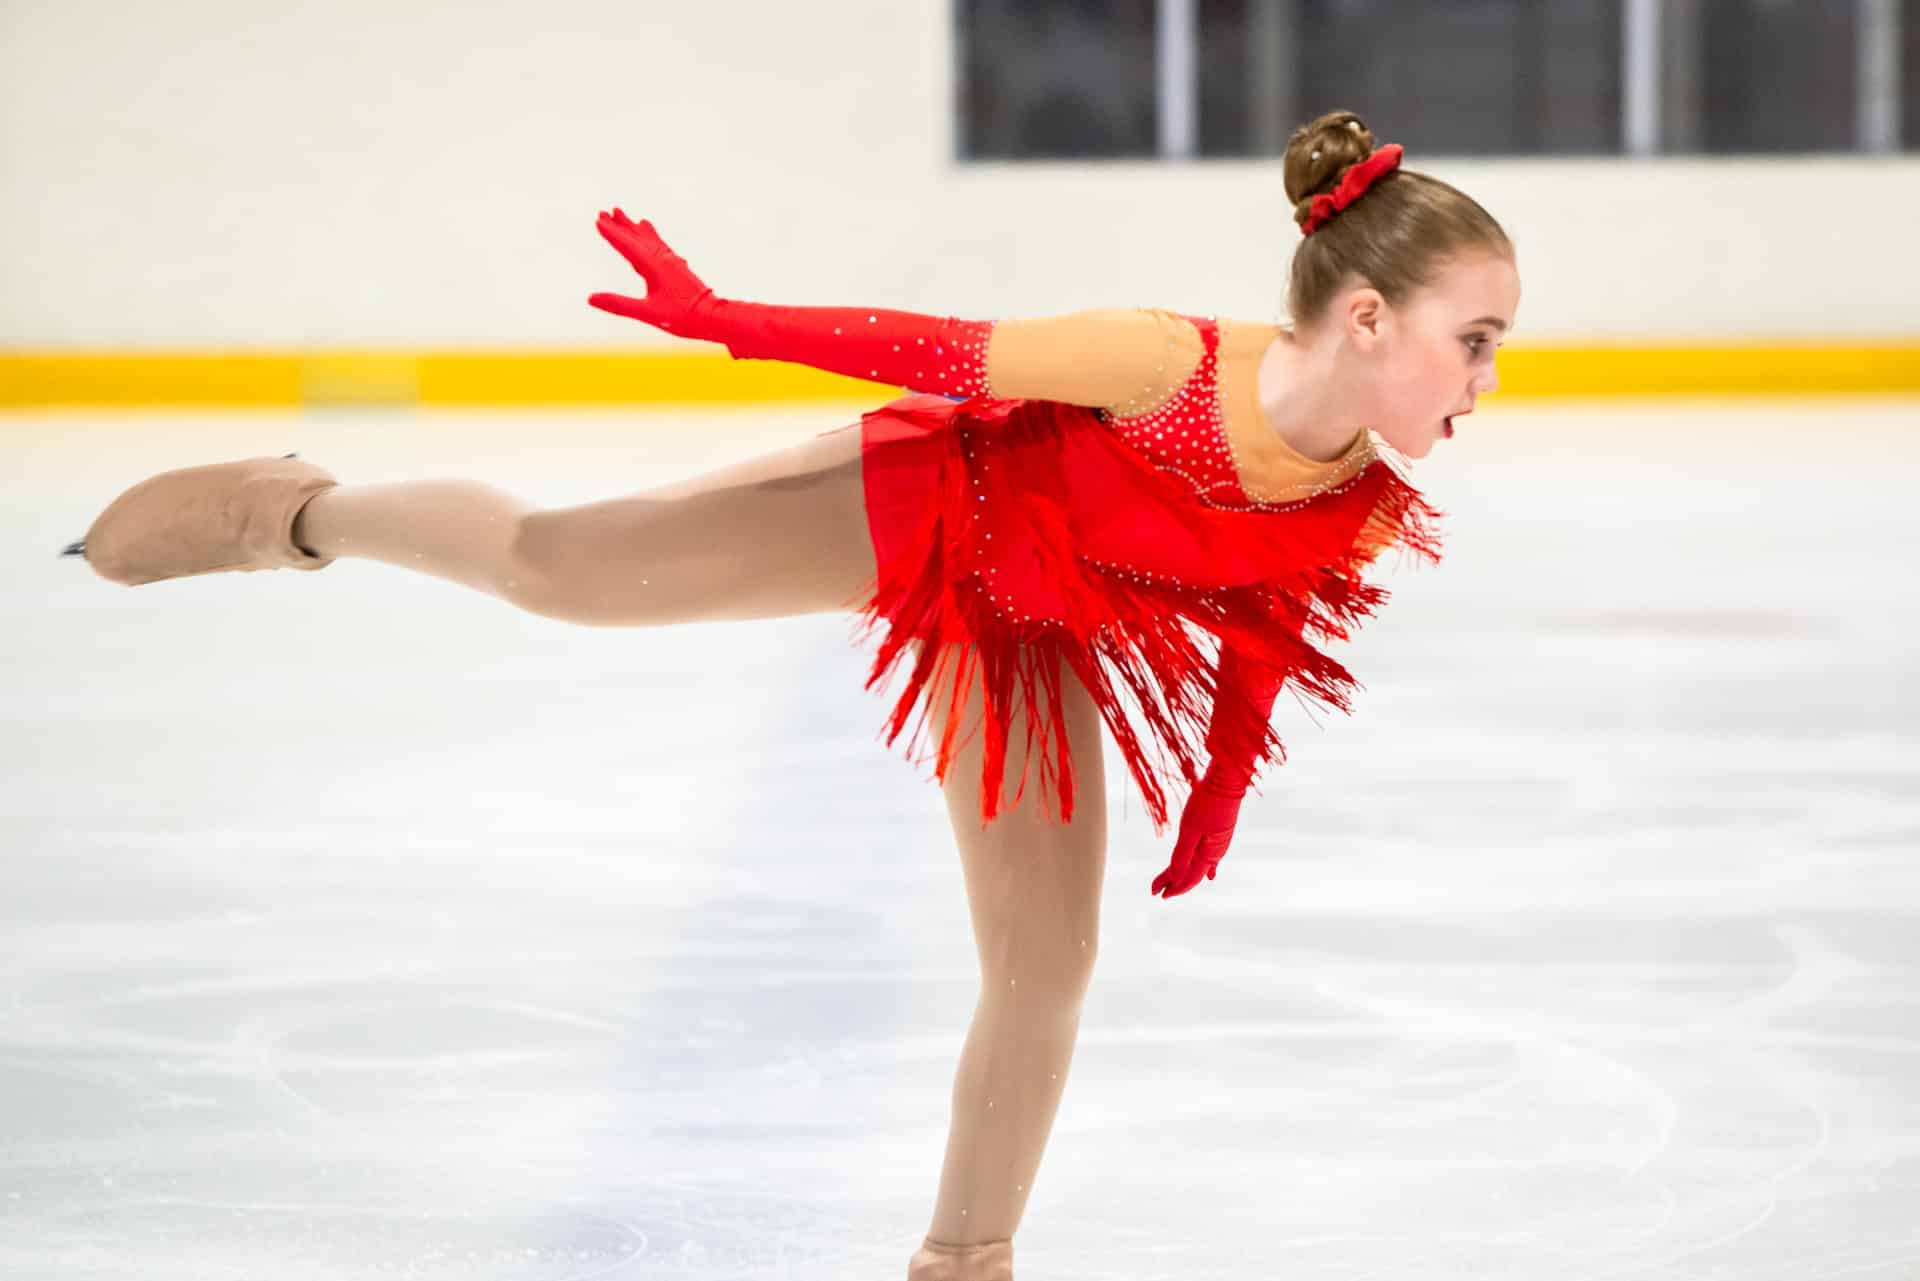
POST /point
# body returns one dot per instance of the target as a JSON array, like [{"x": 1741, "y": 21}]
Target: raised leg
[
  {"x": 461, "y": 530},
  {"x": 781, "y": 534},
  {"x": 1033, "y": 889}
]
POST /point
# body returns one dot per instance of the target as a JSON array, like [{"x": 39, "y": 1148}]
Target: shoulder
[
  {"x": 1135, "y": 329},
  {"x": 1243, "y": 337}
]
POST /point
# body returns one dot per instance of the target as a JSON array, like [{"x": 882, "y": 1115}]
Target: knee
[
  {"x": 1053, "y": 976},
  {"x": 1081, "y": 948},
  {"x": 530, "y": 580},
  {"x": 544, "y": 573},
  {"x": 529, "y": 551}
]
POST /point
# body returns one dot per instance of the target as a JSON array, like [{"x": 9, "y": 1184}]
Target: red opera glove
[
  {"x": 1206, "y": 827},
  {"x": 900, "y": 348},
  {"x": 1235, "y": 736},
  {"x": 677, "y": 300}
]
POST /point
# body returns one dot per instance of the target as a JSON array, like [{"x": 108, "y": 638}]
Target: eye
[{"x": 1475, "y": 344}]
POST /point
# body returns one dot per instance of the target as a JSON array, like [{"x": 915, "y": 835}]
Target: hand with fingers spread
[
  {"x": 941, "y": 354},
  {"x": 677, "y": 300}
]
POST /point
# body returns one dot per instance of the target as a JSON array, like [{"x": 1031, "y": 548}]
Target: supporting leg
[{"x": 1033, "y": 889}]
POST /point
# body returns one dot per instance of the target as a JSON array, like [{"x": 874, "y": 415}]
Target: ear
[{"x": 1365, "y": 318}]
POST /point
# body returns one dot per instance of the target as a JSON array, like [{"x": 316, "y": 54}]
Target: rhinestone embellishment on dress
[{"x": 1187, "y": 437}]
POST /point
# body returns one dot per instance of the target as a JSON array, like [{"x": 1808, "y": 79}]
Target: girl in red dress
[{"x": 1123, "y": 517}]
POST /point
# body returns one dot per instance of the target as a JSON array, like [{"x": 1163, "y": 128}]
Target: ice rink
[{"x": 353, "y": 924}]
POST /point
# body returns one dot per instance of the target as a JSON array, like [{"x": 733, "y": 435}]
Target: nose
[{"x": 1488, "y": 381}]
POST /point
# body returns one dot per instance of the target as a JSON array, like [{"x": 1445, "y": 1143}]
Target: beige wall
[{"x": 212, "y": 172}]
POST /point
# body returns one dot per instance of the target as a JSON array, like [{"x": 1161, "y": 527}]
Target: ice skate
[
  {"x": 205, "y": 520},
  {"x": 938, "y": 1261}
]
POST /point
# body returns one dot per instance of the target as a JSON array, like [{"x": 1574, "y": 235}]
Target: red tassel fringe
[{"x": 1095, "y": 562}]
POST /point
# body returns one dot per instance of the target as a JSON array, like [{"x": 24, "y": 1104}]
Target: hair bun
[{"x": 1318, "y": 153}]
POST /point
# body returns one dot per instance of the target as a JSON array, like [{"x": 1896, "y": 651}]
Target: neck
[{"x": 1300, "y": 395}]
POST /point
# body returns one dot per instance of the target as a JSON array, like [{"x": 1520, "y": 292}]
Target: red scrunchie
[{"x": 1353, "y": 185}]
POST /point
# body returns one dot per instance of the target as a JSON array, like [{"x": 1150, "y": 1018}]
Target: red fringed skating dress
[{"x": 1109, "y": 500}]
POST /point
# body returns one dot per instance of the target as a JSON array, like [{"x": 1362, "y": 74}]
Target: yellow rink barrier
[{"x": 570, "y": 377}]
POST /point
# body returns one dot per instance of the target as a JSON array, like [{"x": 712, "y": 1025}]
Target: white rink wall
[{"x": 212, "y": 173}]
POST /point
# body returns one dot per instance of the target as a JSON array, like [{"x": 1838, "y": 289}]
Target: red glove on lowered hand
[
  {"x": 1247, "y": 692},
  {"x": 900, "y": 348},
  {"x": 1206, "y": 827}
]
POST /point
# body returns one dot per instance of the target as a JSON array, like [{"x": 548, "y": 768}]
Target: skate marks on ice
[{"x": 358, "y": 926}]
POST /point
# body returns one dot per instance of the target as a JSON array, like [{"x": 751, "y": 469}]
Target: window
[
  {"x": 1222, "y": 78},
  {"x": 1758, "y": 75},
  {"x": 1057, "y": 78}
]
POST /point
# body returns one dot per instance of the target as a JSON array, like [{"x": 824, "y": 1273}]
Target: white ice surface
[{"x": 355, "y": 925}]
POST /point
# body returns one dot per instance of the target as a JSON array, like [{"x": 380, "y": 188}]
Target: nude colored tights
[{"x": 784, "y": 534}]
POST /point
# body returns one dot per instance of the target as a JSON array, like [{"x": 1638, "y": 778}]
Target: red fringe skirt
[{"x": 1018, "y": 540}]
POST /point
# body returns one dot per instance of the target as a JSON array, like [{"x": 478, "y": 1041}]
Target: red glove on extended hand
[
  {"x": 677, "y": 300},
  {"x": 1247, "y": 692},
  {"x": 901, "y": 348}
]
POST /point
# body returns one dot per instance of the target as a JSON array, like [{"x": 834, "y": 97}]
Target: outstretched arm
[{"x": 1128, "y": 360}]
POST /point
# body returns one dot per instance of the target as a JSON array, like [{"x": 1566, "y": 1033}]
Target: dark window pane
[
  {"x": 1467, "y": 77},
  {"x": 1227, "y": 52},
  {"x": 1910, "y": 76},
  {"x": 1057, "y": 78},
  {"x": 1066, "y": 78},
  {"x": 1483, "y": 76},
  {"x": 1768, "y": 75}
]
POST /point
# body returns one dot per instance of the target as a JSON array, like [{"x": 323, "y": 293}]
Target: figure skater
[{"x": 1126, "y": 517}]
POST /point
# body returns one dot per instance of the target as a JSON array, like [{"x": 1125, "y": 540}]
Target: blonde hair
[{"x": 1396, "y": 237}]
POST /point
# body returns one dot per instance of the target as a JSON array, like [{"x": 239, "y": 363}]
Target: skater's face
[{"x": 1432, "y": 357}]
